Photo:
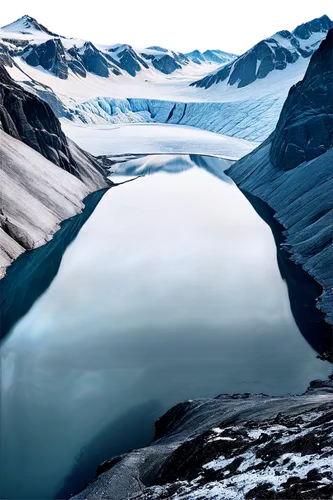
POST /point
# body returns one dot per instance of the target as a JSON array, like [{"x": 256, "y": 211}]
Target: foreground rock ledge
[{"x": 231, "y": 447}]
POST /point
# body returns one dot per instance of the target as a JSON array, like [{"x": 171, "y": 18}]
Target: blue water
[{"x": 171, "y": 291}]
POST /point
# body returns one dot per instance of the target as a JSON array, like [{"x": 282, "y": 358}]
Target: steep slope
[
  {"x": 238, "y": 446},
  {"x": 44, "y": 176},
  {"x": 126, "y": 58},
  {"x": 291, "y": 172},
  {"x": 271, "y": 54},
  {"x": 26, "y": 117},
  {"x": 36, "y": 196}
]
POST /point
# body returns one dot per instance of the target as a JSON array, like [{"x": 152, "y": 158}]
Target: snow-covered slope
[
  {"x": 250, "y": 113},
  {"x": 233, "y": 447},
  {"x": 27, "y": 25},
  {"x": 274, "y": 53},
  {"x": 292, "y": 173}
]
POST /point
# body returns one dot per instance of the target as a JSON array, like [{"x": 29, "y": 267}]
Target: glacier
[{"x": 251, "y": 120}]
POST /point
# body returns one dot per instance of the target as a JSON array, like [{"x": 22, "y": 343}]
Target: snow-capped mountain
[
  {"x": 27, "y": 25},
  {"x": 121, "y": 84},
  {"x": 273, "y": 53},
  {"x": 214, "y": 56},
  {"x": 38, "y": 46}
]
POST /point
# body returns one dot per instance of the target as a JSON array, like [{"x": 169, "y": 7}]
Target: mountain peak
[{"x": 27, "y": 25}]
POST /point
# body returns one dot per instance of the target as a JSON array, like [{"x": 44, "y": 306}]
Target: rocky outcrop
[
  {"x": 125, "y": 57},
  {"x": 50, "y": 56},
  {"x": 233, "y": 446},
  {"x": 273, "y": 53},
  {"x": 166, "y": 64},
  {"x": 305, "y": 127}
]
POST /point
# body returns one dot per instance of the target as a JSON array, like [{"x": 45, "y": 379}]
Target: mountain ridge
[{"x": 273, "y": 53}]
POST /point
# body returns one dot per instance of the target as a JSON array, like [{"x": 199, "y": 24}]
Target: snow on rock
[
  {"x": 60, "y": 55},
  {"x": 275, "y": 53},
  {"x": 233, "y": 447},
  {"x": 25, "y": 116},
  {"x": 217, "y": 56},
  {"x": 27, "y": 25}
]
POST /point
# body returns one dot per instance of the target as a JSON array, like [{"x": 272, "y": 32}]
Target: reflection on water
[{"x": 171, "y": 291}]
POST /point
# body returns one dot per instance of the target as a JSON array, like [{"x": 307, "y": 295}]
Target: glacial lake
[{"x": 171, "y": 291}]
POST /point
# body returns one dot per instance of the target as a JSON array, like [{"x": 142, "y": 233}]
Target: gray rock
[{"x": 229, "y": 443}]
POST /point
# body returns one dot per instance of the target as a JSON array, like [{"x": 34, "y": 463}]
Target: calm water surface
[{"x": 171, "y": 291}]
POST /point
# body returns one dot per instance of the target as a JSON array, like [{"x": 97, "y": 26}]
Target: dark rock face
[
  {"x": 88, "y": 59},
  {"x": 77, "y": 67},
  {"x": 268, "y": 55},
  {"x": 305, "y": 127},
  {"x": 130, "y": 61},
  {"x": 94, "y": 61},
  {"x": 235, "y": 446},
  {"x": 30, "y": 119},
  {"x": 289, "y": 178},
  {"x": 166, "y": 64},
  {"x": 305, "y": 30},
  {"x": 50, "y": 55},
  {"x": 5, "y": 58}
]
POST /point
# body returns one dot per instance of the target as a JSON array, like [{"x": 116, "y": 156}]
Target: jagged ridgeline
[
  {"x": 59, "y": 54},
  {"x": 273, "y": 53}
]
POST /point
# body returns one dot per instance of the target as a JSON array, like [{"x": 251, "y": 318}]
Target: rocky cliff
[
  {"x": 291, "y": 173},
  {"x": 44, "y": 176}
]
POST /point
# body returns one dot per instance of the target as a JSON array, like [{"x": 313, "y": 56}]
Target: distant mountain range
[{"x": 40, "y": 47}]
